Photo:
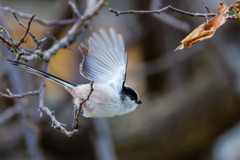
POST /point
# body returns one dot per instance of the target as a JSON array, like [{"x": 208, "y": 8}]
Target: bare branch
[
  {"x": 56, "y": 124},
  {"x": 204, "y": 15}
]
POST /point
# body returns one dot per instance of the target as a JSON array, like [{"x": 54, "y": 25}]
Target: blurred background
[{"x": 191, "y": 105}]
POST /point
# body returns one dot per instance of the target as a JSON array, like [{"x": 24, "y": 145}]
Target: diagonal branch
[{"x": 79, "y": 111}]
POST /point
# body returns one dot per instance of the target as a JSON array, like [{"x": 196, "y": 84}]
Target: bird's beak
[{"x": 139, "y": 102}]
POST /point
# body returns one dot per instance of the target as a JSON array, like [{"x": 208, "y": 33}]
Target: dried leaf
[{"x": 205, "y": 31}]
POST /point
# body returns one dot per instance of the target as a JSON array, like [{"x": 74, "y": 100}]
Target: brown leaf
[{"x": 205, "y": 31}]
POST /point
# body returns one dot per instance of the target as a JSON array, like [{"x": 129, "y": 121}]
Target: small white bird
[{"x": 105, "y": 63}]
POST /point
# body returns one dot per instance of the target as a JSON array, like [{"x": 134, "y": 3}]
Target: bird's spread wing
[{"x": 105, "y": 59}]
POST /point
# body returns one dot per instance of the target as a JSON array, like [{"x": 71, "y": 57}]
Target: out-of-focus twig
[
  {"x": 166, "y": 61},
  {"x": 101, "y": 139},
  {"x": 8, "y": 114},
  {"x": 167, "y": 18},
  {"x": 39, "y": 20}
]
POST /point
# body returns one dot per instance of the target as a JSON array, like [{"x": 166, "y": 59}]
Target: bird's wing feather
[{"x": 105, "y": 59}]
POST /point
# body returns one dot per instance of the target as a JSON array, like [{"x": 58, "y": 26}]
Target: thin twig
[
  {"x": 36, "y": 41},
  {"x": 26, "y": 32},
  {"x": 162, "y": 10},
  {"x": 79, "y": 111},
  {"x": 10, "y": 95},
  {"x": 206, "y": 8},
  {"x": 6, "y": 32},
  {"x": 204, "y": 15}
]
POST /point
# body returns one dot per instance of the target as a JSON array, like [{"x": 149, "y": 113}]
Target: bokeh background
[{"x": 191, "y": 106}]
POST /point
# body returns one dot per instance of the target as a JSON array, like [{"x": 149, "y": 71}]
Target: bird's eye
[{"x": 132, "y": 98}]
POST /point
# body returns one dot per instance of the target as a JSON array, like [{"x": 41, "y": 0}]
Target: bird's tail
[{"x": 43, "y": 74}]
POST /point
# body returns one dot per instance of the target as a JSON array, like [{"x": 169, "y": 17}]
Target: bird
[{"x": 104, "y": 63}]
